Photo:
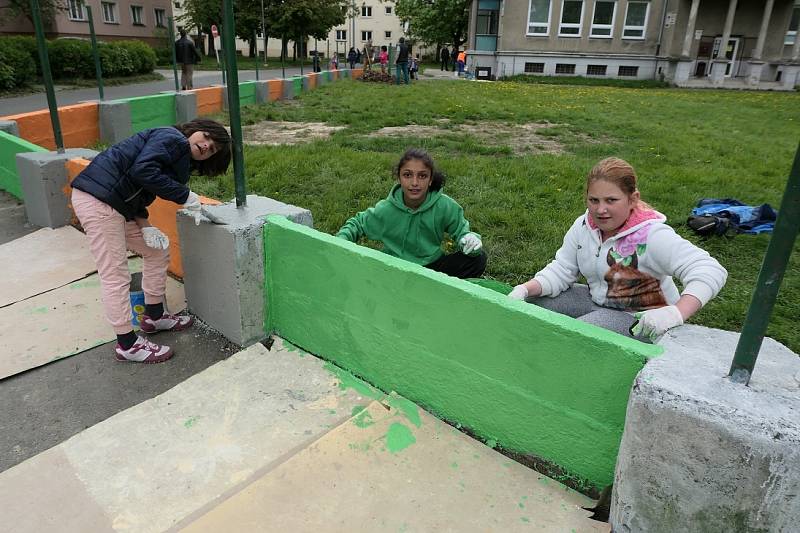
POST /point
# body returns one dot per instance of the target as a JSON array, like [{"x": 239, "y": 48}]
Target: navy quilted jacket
[{"x": 129, "y": 175}]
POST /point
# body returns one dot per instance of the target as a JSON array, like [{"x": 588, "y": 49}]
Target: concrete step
[{"x": 394, "y": 467}]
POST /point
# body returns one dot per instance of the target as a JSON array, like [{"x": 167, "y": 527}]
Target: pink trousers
[{"x": 110, "y": 238}]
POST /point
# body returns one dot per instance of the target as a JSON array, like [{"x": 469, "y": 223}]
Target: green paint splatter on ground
[
  {"x": 289, "y": 347},
  {"x": 331, "y": 411},
  {"x": 399, "y": 437},
  {"x": 408, "y": 408},
  {"x": 349, "y": 381},
  {"x": 39, "y": 310},
  {"x": 544, "y": 481},
  {"x": 191, "y": 421},
  {"x": 524, "y": 519},
  {"x": 363, "y": 419},
  {"x": 454, "y": 465},
  {"x": 357, "y": 409},
  {"x": 44, "y": 329},
  {"x": 359, "y": 446},
  {"x": 521, "y": 505},
  {"x": 491, "y": 443},
  {"x": 93, "y": 282}
]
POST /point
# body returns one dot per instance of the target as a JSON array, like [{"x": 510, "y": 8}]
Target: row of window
[
  {"x": 77, "y": 11},
  {"x": 591, "y": 70},
  {"x": 603, "y": 18},
  {"x": 341, "y": 35},
  {"x": 366, "y": 11}
]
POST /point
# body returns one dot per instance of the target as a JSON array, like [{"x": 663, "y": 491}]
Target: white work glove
[
  {"x": 192, "y": 205},
  {"x": 520, "y": 292},
  {"x": 154, "y": 238},
  {"x": 655, "y": 322},
  {"x": 470, "y": 244}
]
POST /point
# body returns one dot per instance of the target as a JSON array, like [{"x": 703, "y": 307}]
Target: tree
[
  {"x": 435, "y": 22},
  {"x": 202, "y": 14},
  {"x": 47, "y": 8},
  {"x": 297, "y": 19}
]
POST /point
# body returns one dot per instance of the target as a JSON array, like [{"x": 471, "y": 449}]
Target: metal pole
[
  {"x": 255, "y": 42},
  {"x": 353, "y": 23},
  {"x": 98, "y": 72},
  {"x": 174, "y": 58},
  {"x": 301, "y": 53},
  {"x": 264, "y": 31},
  {"x": 228, "y": 36},
  {"x": 47, "y": 75},
  {"x": 283, "y": 49},
  {"x": 769, "y": 279}
]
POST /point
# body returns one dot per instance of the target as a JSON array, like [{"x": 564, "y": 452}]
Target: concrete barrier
[
  {"x": 209, "y": 100},
  {"x": 151, "y": 111},
  {"x": 528, "y": 379},
  {"x": 79, "y": 126},
  {"x": 10, "y": 146},
  {"x": 275, "y": 90}
]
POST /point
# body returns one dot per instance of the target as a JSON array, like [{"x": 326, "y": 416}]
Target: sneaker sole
[
  {"x": 175, "y": 328},
  {"x": 160, "y": 359}
]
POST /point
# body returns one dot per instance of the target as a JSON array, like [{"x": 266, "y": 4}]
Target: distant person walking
[
  {"x": 445, "y": 58},
  {"x": 461, "y": 61},
  {"x": 453, "y": 56},
  {"x": 186, "y": 54},
  {"x": 401, "y": 62},
  {"x": 352, "y": 57}
]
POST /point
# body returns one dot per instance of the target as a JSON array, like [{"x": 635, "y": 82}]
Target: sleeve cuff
[
  {"x": 547, "y": 289},
  {"x": 699, "y": 290}
]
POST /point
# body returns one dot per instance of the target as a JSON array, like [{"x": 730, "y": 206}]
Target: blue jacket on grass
[{"x": 129, "y": 175}]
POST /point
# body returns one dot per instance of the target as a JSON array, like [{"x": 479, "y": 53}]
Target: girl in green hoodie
[{"x": 412, "y": 220}]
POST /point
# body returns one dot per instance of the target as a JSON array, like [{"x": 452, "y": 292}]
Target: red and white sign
[{"x": 214, "y": 31}]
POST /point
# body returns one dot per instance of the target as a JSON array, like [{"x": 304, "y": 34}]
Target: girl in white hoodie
[{"x": 628, "y": 255}]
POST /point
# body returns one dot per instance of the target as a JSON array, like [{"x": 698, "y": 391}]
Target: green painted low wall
[
  {"x": 10, "y": 146},
  {"x": 531, "y": 380},
  {"x": 152, "y": 111},
  {"x": 247, "y": 93},
  {"x": 297, "y": 84}
]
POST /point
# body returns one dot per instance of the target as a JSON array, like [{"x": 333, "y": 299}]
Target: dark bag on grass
[{"x": 706, "y": 225}]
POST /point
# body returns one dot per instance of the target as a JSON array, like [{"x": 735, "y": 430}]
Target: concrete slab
[
  {"x": 394, "y": 467},
  {"x": 41, "y": 261},
  {"x": 700, "y": 453},
  {"x": 153, "y": 464},
  {"x": 50, "y": 404},
  {"x": 62, "y": 322},
  {"x": 13, "y": 221}
]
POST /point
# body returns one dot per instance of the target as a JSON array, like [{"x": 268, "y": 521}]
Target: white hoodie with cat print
[{"x": 633, "y": 269}]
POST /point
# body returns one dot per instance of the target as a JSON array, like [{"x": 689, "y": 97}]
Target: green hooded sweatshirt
[{"x": 412, "y": 234}]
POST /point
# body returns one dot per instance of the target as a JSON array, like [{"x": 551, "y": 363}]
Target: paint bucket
[{"x": 137, "y": 299}]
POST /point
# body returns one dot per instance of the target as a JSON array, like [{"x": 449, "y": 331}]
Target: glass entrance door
[{"x": 731, "y": 52}]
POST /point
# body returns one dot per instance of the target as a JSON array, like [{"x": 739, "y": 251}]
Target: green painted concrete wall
[
  {"x": 247, "y": 93},
  {"x": 297, "y": 84},
  {"x": 531, "y": 380},
  {"x": 10, "y": 146},
  {"x": 152, "y": 111}
]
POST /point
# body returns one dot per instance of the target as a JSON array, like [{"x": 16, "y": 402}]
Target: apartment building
[
  {"x": 676, "y": 40},
  {"x": 144, "y": 20}
]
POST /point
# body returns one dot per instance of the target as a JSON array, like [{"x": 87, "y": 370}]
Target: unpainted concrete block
[
  {"x": 224, "y": 265},
  {"x": 115, "y": 121},
  {"x": 43, "y": 178},
  {"x": 701, "y": 453},
  {"x": 288, "y": 89},
  {"x": 306, "y": 83},
  {"x": 262, "y": 91},
  {"x": 10, "y": 127},
  {"x": 185, "y": 106}
]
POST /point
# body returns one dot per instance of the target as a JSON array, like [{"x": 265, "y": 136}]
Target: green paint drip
[
  {"x": 39, "y": 310},
  {"x": 399, "y": 437},
  {"x": 408, "y": 408},
  {"x": 454, "y": 465},
  {"x": 524, "y": 519},
  {"x": 349, "y": 381},
  {"x": 191, "y": 421},
  {"x": 363, "y": 419},
  {"x": 357, "y": 409}
]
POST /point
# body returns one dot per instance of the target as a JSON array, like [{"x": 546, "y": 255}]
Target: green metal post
[
  {"x": 301, "y": 53},
  {"x": 174, "y": 59},
  {"x": 47, "y": 75},
  {"x": 283, "y": 65},
  {"x": 228, "y": 37},
  {"x": 255, "y": 40},
  {"x": 769, "y": 279},
  {"x": 95, "y": 53}
]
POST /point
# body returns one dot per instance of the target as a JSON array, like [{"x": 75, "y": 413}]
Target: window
[
  {"x": 366, "y": 36},
  {"x": 387, "y": 34},
  {"x": 77, "y": 10},
  {"x": 161, "y": 18},
  {"x": 565, "y": 68},
  {"x": 534, "y": 68},
  {"x": 635, "y": 20},
  {"x": 571, "y": 16},
  {"x": 487, "y": 22},
  {"x": 177, "y": 5},
  {"x": 603, "y": 19},
  {"x": 366, "y": 11},
  {"x": 595, "y": 70},
  {"x": 628, "y": 71},
  {"x": 136, "y": 16},
  {"x": 388, "y": 10},
  {"x": 109, "y": 12},
  {"x": 539, "y": 17},
  {"x": 341, "y": 35},
  {"x": 791, "y": 33}
]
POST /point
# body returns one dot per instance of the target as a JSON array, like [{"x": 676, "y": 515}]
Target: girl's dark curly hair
[
  {"x": 437, "y": 178},
  {"x": 218, "y": 163}
]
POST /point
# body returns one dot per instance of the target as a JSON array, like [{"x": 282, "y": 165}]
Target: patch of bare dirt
[{"x": 275, "y": 133}]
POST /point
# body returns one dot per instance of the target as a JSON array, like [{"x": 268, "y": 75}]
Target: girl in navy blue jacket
[{"x": 110, "y": 198}]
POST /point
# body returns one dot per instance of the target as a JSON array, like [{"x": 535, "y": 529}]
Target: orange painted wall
[
  {"x": 313, "y": 78},
  {"x": 275, "y": 90},
  {"x": 163, "y": 215},
  {"x": 357, "y": 73},
  {"x": 209, "y": 100},
  {"x": 79, "y": 126}
]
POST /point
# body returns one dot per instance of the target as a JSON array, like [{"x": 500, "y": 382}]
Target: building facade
[
  {"x": 675, "y": 40},
  {"x": 144, "y": 20}
]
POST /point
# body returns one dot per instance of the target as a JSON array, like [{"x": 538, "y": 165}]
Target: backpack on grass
[{"x": 707, "y": 225}]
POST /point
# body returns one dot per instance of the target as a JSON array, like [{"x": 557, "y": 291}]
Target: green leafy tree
[
  {"x": 48, "y": 9},
  {"x": 299, "y": 19},
  {"x": 435, "y": 22}
]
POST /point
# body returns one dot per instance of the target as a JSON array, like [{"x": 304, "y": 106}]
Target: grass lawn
[{"x": 522, "y": 188}]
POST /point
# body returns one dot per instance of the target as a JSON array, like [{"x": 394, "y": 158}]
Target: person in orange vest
[{"x": 461, "y": 60}]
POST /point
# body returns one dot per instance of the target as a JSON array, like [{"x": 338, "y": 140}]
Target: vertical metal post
[
  {"x": 301, "y": 53},
  {"x": 255, "y": 43},
  {"x": 264, "y": 31},
  {"x": 769, "y": 279},
  {"x": 228, "y": 37},
  {"x": 283, "y": 48},
  {"x": 98, "y": 72},
  {"x": 47, "y": 75},
  {"x": 174, "y": 58}
]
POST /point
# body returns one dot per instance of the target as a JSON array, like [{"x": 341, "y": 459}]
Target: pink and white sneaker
[
  {"x": 165, "y": 323},
  {"x": 143, "y": 351}
]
